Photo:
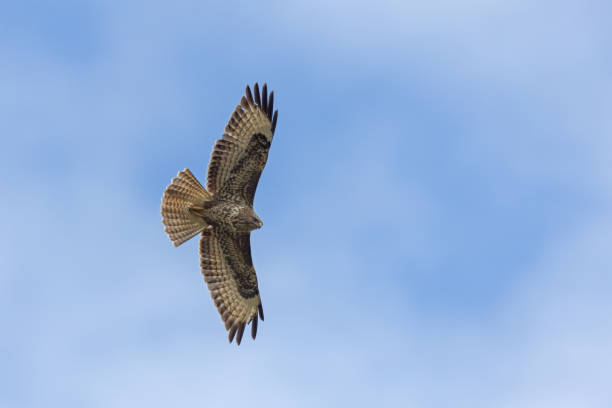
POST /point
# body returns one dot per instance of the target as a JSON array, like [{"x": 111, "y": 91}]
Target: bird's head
[{"x": 247, "y": 221}]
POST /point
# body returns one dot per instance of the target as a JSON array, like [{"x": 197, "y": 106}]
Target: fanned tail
[{"x": 183, "y": 193}]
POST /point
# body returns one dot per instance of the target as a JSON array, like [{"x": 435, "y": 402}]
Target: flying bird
[{"x": 223, "y": 211}]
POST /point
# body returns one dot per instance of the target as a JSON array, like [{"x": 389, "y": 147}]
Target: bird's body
[
  {"x": 223, "y": 213},
  {"x": 228, "y": 216}
]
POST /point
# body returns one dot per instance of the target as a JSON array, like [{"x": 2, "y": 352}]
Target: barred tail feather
[{"x": 184, "y": 192}]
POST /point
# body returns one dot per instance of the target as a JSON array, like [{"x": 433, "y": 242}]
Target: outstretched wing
[
  {"x": 228, "y": 271},
  {"x": 240, "y": 156}
]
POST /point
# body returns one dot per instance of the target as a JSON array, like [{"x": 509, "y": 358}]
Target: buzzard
[{"x": 223, "y": 211}]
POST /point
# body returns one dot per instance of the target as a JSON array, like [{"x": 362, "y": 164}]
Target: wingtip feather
[
  {"x": 264, "y": 97},
  {"x": 273, "y": 127},
  {"x": 244, "y": 103},
  {"x": 232, "y": 333},
  {"x": 270, "y": 105},
  {"x": 249, "y": 96},
  {"x": 254, "y": 327},
  {"x": 240, "y": 333},
  {"x": 256, "y": 91}
]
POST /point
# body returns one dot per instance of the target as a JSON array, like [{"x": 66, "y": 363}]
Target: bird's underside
[{"x": 223, "y": 212}]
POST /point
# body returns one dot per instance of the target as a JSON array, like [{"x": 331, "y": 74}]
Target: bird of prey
[{"x": 223, "y": 211}]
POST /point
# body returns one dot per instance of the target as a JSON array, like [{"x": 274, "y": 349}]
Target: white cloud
[
  {"x": 529, "y": 79},
  {"x": 566, "y": 307}
]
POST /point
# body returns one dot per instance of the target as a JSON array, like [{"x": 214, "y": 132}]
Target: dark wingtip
[
  {"x": 264, "y": 97},
  {"x": 249, "y": 95},
  {"x": 256, "y": 91},
  {"x": 274, "y": 125},
  {"x": 244, "y": 102},
  {"x": 270, "y": 105},
  {"x": 240, "y": 332},
  {"x": 254, "y": 327},
  {"x": 261, "y": 315},
  {"x": 232, "y": 333}
]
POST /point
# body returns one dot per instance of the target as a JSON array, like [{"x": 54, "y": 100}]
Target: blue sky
[{"x": 436, "y": 203}]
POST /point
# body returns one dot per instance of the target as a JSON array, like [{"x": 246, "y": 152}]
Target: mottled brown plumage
[{"x": 223, "y": 212}]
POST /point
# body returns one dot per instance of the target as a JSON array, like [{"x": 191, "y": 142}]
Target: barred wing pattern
[
  {"x": 240, "y": 156},
  {"x": 237, "y": 161},
  {"x": 228, "y": 272}
]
